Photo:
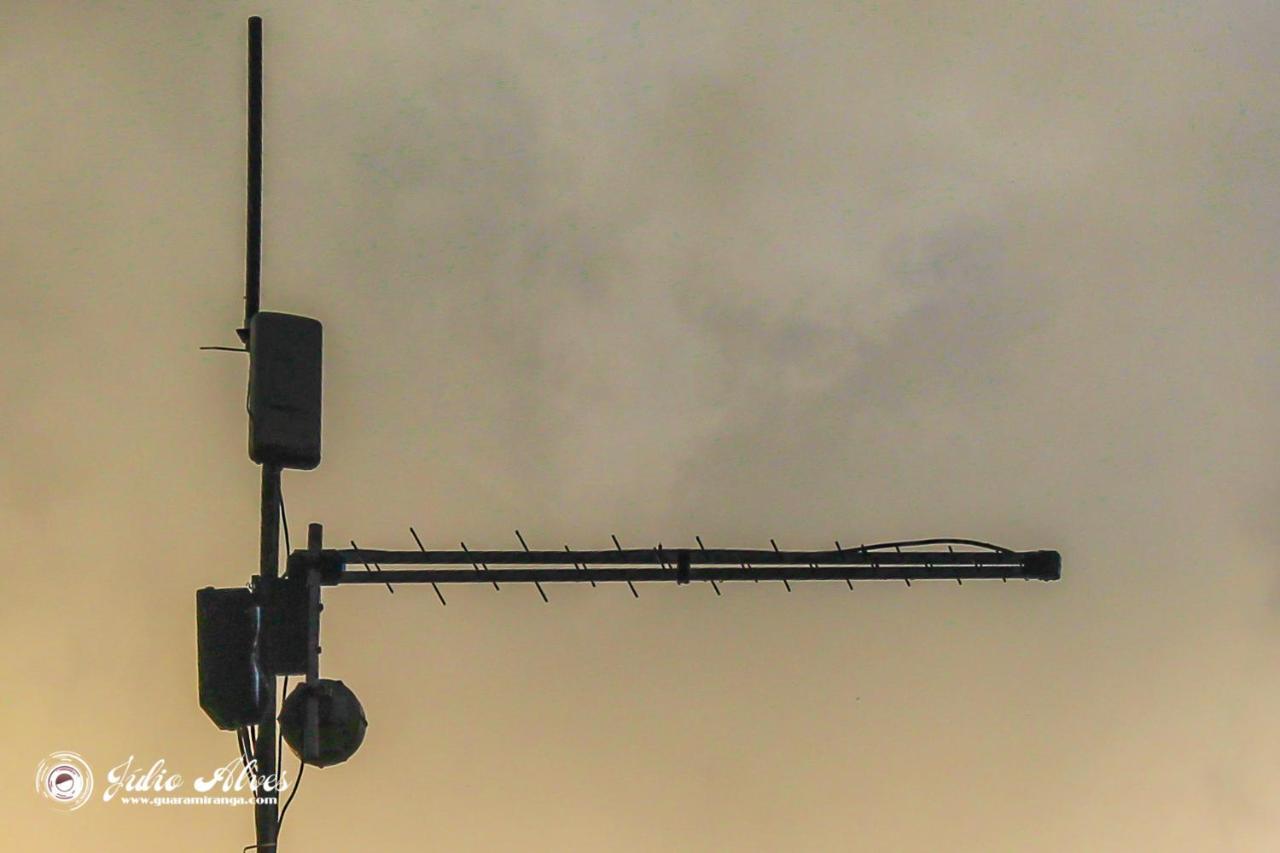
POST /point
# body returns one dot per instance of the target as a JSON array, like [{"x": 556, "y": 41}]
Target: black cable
[
  {"x": 302, "y": 765},
  {"x": 246, "y": 753},
  {"x": 944, "y": 541},
  {"x": 284, "y": 518}
]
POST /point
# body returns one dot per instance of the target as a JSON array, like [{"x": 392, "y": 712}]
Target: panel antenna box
[
  {"x": 284, "y": 390},
  {"x": 232, "y": 683}
]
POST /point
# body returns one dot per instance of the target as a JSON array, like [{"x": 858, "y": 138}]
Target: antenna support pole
[{"x": 264, "y": 809}]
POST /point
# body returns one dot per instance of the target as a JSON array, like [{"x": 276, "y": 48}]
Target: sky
[{"x": 739, "y": 270}]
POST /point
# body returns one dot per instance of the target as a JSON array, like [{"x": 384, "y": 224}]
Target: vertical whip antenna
[{"x": 253, "y": 225}]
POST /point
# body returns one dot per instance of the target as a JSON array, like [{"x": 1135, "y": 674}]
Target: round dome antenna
[{"x": 340, "y": 722}]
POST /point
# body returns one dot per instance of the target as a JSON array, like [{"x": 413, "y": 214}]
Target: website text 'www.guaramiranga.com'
[{"x": 193, "y": 801}]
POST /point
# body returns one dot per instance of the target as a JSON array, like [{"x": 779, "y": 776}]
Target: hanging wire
[
  {"x": 907, "y": 543},
  {"x": 246, "y": 752},
  {"x": 302, "y": 766}
]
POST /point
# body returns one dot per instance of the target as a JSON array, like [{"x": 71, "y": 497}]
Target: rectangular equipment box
[
  {"x": 284, "y": 390},
  {"x": 232, "y": 688}
]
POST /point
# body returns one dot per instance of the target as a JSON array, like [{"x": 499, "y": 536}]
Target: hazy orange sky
[{"x": 807, "y": 271}]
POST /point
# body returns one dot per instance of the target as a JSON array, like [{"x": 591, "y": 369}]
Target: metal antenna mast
[
  {"x": 247, "y": 637},
  {"x": 266, "y": 821}
]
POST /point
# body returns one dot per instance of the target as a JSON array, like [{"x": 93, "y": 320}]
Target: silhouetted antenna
[
  {"x": 581, "y": 566},
  {"x": 436, "y": 587},
  {"x": 356, "y": 548},
  {"x": 479, "y": 566},
  {"x": 253, "y": 219},
  {"x": 702, "y": 547},
  {"x": 784, "y": 580},
  {"x": 841, "y": 550},
  {"x": 618, "y": 545},
  {"x": 683, "y": 567},
  {"x": 705, "y": 564},
  {"x": 541, "y": 592},
  {"x": 899, "y": 550}
]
